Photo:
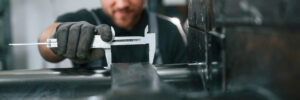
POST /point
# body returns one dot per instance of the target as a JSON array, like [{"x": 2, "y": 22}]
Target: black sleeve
[
  {"x": 178, "y": 47},
  {"x": 172, "y": 47},
  {"x": 81, "y": 15}
]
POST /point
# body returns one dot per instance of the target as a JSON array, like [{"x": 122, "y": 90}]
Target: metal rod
[{"x": 27, "y": 44}]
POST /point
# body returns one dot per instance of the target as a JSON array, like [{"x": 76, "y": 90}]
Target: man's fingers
[
  {"x": 105, "y": 32},
  {"x": 62, "y": 34},
  {"x": 73, "y": 39},
  {"x": 85, "y": 40}
]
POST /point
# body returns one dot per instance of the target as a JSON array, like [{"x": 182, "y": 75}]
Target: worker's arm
[
  {"x": 74, "y": 40},
  {"x": 46, "y": 52}
]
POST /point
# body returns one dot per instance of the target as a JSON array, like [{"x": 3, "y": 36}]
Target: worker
[{"x": 75, "y": 32}]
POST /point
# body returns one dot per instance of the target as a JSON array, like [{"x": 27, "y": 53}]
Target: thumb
[{"x": 105, "y": 32}]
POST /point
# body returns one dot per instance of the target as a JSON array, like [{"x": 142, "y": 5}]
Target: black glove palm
[{"x": 75, "y": 40}]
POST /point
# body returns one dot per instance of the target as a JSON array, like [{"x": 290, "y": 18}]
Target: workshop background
[{"x": 22, "y": 21}]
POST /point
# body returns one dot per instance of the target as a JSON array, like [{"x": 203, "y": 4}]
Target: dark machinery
[{"x": 257, "y": 41}]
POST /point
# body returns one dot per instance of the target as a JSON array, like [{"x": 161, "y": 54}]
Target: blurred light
[
  {"x": 174, "y": 2},
  {"x": 95, "y": 98},
  {"x": 176, "y": 21}
]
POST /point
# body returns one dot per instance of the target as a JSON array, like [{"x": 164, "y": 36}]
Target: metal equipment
[
  {"x": 257, "y": 41},
  {"x": 149, "y": 38},
  {"x": 123, "y": 81}
]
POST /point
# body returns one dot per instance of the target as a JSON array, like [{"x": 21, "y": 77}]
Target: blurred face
[{"x": 124, "y": 13}]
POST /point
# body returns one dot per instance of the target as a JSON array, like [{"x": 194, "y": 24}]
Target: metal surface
[
  {"x": 265, "y": 57},
  {"x": 137, "y": 81},
  {"x": 262, "y": 45},
  {"x": 257, "y": 41},
  {"x": 149, "y": 39},
  {"x": 33, "y": 44},
  {"x": 205, "y": 44},
  {"x": 56, "y": 84},
  {"x": 96, "y": 84}
]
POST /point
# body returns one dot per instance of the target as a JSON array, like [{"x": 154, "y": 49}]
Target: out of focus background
[{"x": 22, "y": 21}]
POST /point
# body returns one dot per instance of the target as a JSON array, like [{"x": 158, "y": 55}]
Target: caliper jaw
[{"x": 149, "y": 38}]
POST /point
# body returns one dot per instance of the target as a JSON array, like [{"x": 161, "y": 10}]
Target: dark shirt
[{"x": 171, "y": 46}]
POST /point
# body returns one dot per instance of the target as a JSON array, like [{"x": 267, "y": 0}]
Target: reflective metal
[
  {"x": 254, "y": 42},
  {"x": 137, "y": 81},
  {"x": 96, "y": 83}
]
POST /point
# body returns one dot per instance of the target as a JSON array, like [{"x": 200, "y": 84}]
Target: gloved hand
[{"x": 75, "y": 40}]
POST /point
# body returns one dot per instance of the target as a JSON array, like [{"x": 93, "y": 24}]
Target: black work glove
[{"x": 75, "y": 40}]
